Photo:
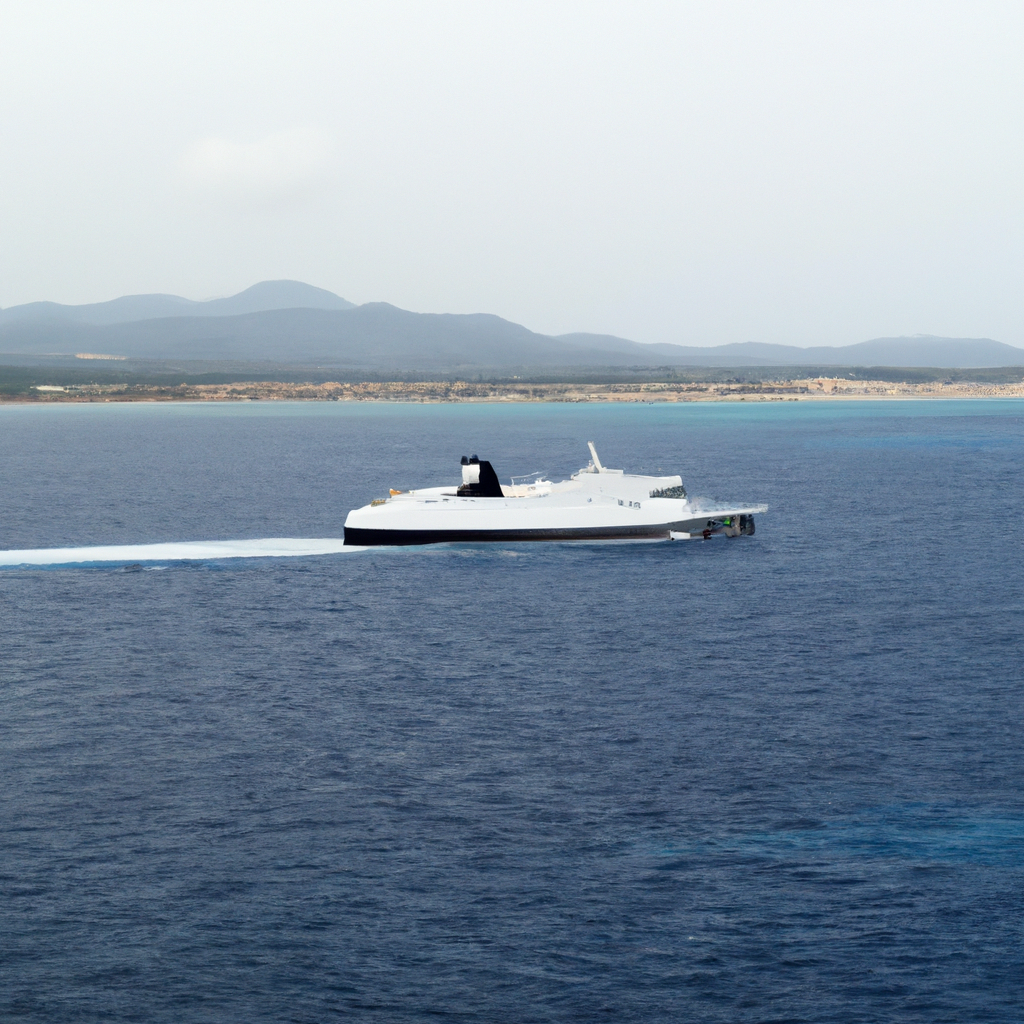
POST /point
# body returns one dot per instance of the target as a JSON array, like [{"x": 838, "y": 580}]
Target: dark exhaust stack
[{"x": 479, "y": 480}]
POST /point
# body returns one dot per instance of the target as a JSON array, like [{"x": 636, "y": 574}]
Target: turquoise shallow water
[{"x": 777, "y": 778}]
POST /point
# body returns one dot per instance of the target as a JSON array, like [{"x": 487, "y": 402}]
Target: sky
[{"x": 699, "y": 173}]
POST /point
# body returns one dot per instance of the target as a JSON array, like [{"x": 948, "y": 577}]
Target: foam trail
[{"x": 270, "y": 547}]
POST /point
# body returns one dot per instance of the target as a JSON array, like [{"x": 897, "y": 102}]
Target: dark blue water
[{"x": 772, "y": 779}]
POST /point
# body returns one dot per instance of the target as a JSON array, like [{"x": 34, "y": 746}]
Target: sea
[{"x": 774, "y": 778}]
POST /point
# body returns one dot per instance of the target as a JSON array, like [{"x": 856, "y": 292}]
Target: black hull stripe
[{"x": 376, "y": 538}]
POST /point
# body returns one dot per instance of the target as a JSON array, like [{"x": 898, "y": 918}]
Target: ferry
[{"x": 597, "y": 503}]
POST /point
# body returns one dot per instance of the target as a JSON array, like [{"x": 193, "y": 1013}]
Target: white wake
[{"x": 271, "y": 547}]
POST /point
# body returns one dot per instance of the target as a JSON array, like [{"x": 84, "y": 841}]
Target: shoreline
[{"x": 814, "y": 389}]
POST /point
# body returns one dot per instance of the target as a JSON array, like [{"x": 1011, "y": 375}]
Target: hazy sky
[{"x": 811, "y": 173}]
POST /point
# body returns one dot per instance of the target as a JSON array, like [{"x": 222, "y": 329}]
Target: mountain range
[
  {"x": 294, "y": 323},
  {"x": 259, "y": 298}
]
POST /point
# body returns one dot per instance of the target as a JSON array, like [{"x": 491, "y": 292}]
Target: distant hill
[
  {"x": 289, "y": 322},
  {"x": 920, "y": 350},
  {"x": 373, "y": 335},
  {"x": 260, "y": 297}
]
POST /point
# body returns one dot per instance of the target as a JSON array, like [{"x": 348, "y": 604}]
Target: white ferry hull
[{"x": 372, "y": 526}]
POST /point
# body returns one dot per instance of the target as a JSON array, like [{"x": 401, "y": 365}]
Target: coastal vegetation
[{"x": 23, "y": 388}]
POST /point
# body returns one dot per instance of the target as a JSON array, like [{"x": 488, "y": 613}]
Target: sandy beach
[{"x": 816, "y": 389}]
